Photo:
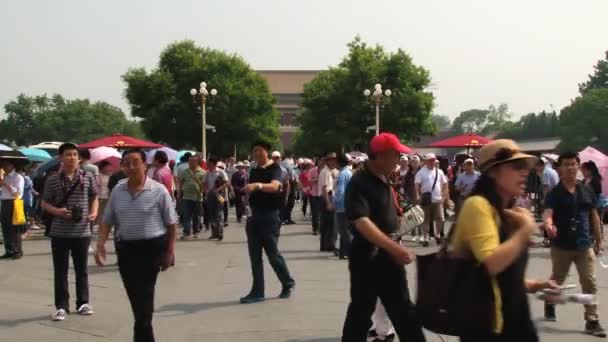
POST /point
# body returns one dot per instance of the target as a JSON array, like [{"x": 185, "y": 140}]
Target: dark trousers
[
  {"x": 328, "y": 231},
  {"x": 346, "y": 236},
  {"x": 205, "y": 214},
  {"x": 239, "y": 206},
  {"x": 11, "y": 235},
  {"x": 379, "y": 277},
  {"x": 484, "y": 338},
  {"x": 79, "y": 248},
  {"x": 225, "y": 208},
  {"x": 263, "y": 230},
  {"x": 304, "y": 203},
  {"x": 291, "y": 202},
  {"x": 139, "y": 264},
  {"x": 191, "y": 216},
  {"x": 316, "y": 205}
]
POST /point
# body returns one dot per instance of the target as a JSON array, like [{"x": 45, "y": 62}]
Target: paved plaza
[{"x": 197, "y": 300}]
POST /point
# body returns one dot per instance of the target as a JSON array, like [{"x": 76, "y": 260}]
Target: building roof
[
  {"x": 539, "y": 145},
  {"x": 288, "y": 81}
]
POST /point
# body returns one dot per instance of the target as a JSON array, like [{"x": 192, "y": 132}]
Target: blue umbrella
[
  {"x": 180, "y": 154},
  {"x": 45, "y": 167},
  {"x": 36, "y": 155}
]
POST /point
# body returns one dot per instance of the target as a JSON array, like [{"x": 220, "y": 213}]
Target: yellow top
[{"x": 477, "y": 231}]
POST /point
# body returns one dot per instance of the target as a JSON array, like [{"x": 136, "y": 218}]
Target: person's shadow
[
  {"x": 192, "y": 308},
  {"x": 15, "y": 322}
]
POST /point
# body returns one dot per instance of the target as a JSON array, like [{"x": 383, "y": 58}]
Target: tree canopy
[
  {"x": 441, "y": 122},
  {"x": 584, "y": 122},
  {"x": 336, "y": 114},
  {"x": 483, "y": 121},
  {"x": 31, "y": 120},
  {"x": 541, "y": 125},
  {"x": 241, "y": 112},
  {"x": 599, "y": 78}
]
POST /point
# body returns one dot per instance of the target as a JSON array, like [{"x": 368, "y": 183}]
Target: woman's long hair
[
  {"x": 592, "y": 167},
  {"x": 486, "y": 187}
]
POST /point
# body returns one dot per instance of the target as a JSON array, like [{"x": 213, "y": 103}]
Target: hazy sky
[{"x": 527, "y": 53}]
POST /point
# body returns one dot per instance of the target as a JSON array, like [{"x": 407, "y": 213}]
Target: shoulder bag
[
  {"x": 426, "y": 198},
  {"x": 455, "y": 294}
]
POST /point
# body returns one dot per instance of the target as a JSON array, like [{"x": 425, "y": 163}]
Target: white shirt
[
  {"x": 13, "y": 186},
  {"x": 326, "y": 180},
  {"x": 426, "y": 177}
]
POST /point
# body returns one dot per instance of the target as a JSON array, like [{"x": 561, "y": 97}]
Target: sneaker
[
  {"x": 185, "y": 237},
  {"x": 595, "y": 328},
  {"x": 287, "y": 291},
  {"x": 85, "y": 310},
  {"x": 195, "y": 236},
  {"x": 91, "y": 250},
  {"x": 550, "y": 313},
  {"x": 59, "y": 315},
  {"x": 250, "y": 299}
]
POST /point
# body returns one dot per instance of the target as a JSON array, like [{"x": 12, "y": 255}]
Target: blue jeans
[
  {"x": 316, "y": 206},
  {"x": 346, "y": 236},
  {"x": 191, "y": 212},
  {"x": 263, "y": 229}
]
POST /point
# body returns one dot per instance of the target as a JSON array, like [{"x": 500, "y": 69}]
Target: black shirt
[
  {"x": 265, "y": 201},
  {"x": 369, "y": 196},
  {"x": 571, "y": 216}
]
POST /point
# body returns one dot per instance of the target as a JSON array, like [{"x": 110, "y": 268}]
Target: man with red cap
[{"x": 377, "y": 259}]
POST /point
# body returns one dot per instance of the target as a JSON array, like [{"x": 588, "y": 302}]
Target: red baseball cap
[{"x": 386, "y": 142}]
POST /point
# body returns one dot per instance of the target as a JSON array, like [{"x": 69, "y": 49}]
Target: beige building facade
[{"x": 287, "y": 87}]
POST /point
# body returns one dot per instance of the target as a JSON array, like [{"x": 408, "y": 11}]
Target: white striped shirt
[{"x": 142, "y": 216}]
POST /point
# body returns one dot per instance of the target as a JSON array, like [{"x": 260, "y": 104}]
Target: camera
[{"x": 76, "y": 213}]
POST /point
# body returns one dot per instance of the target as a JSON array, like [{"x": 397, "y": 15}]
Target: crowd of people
[{"x": 356, "y": 204}]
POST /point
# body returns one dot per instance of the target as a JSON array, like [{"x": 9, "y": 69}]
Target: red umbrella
[
  {"x": 120, "y": 141},
  {"x": 464, "y": 140}
]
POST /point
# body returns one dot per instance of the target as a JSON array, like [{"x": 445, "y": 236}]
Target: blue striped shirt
[{"x": 142, "y": 216}]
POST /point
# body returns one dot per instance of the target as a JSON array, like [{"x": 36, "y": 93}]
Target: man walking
[
  {"x": 71, "y": 198},
  {"x": 432, "y": 192},
  {"x": 341, "y": 221},
  {"x": 190, "y": 193},
  {"x": 466, "y": 182},
  {"x": 145, "y": 238},
  {"x": 326, "y": 189},
  {"x": 572, "y": 222},
  {"x": 376, "y": 260},
  {"x": 211, "y": 179},
  {"x": 264, "y": 224},
  {"x": 239, "y": 181}
]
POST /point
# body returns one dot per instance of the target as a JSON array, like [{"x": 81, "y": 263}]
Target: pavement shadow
[
  {"x": 312, "y": 257},
  {"x": 296, "y": 233},
  {"x": 287, "y": 251},
  {"x": 558, "y": 331},
  {"x": 8, "y": 323},
  {"x": 103, "y": 269},
  {"x": 192, "y": 308}
]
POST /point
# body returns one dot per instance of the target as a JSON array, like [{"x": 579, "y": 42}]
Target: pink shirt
[
  {"x": 314, "y": 181},
  {"x": 163, "y": 176}
]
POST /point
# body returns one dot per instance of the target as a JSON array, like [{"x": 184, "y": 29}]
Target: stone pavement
[{"x": 198, "y": 299}]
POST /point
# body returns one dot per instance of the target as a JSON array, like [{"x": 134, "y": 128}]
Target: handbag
[
  {"x": 455, "y": 295},
  {"x": 18, "y": 212},
  {"x": 426, "y": 198}
]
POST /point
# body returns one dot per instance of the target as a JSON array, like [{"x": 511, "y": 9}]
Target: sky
[{"x": 530, "y": 54}]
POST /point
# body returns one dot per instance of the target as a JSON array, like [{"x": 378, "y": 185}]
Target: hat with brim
[
  {"x": 239, "y": 164},
  {"x": 502, "y": 151},
  {"x": 331, "y": 155}
]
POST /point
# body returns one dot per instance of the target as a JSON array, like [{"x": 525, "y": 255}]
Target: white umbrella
[
  {"x": 171, "y": 154},
  {"x": 102, "y": 153}
]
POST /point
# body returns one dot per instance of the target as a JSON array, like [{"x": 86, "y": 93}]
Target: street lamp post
[
  {"x": 377, "y": 97},
  {"x": 200, "y": 96}
]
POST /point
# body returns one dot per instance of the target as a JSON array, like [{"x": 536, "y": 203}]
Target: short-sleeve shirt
[
  {"x": 550, "y": 177},
  {"x": 212, "y": 177},
  {"x": 467, "y": 182},
  {"x": 192, "y": 184},
  {"x": 92, "y": 168},
  {"x": 145, "y": 215},
  {"x": 163, "y": 176},
  {"x": 426, "y": 177},
  {"x": 265, "y": 201},
  {"x": 326, "y": 180},
  {"x": 56, "y": 187},
  {"x": 477, "y": 231},
  {"x": 371, "y": 197},
  {"x": 343, "y": 179},
  {"x": 313, "y": 178},
  {"x": 571, "y": 216}
]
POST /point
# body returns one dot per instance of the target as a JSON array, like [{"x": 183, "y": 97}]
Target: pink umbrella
[{"x": 102, "y": 153}]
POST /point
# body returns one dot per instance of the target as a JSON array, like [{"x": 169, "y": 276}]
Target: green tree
[
  {"x": 241, "y": 112},
  {"x": 584, "y": 122},
  {"x": 483, "y": 121},
  {"x": 336, "y": 114},
  {"x": 31, "y": 120},
  {"x": 530, "y": 126},
  {"x": 442, "y": 122},
  {"x": 599, "y": 78}
]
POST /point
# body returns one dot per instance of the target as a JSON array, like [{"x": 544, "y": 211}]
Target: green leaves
[
  {"x": 584, "y": 122},
  {"x": 34, "y": 119},
  {"x": 241, "y": 112},
  {"x": 336, "y": 114},
  {"x": 599, "y": 79}
]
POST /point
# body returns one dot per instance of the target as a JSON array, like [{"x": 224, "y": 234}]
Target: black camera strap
[{"x": 66, "y": 197}]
